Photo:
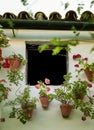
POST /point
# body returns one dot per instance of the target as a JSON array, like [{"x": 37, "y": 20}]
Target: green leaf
[
  {"x": 66, "y": 5},
  {"x": 43, "y": 47},
  {"x": 56, "y": 50}
]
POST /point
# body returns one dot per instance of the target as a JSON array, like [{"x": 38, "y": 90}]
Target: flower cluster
[
  {"x": 44, "y": 88},
  {"x": 3, "y": 90},
  {"x": 4, "y": 63},
  {"x": 84, "y": 65},
  {"x": 82, "y": 62}
]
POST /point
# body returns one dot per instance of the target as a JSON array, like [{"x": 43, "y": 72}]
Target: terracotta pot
[
  {"x": 44, "y": 101},
  {"x": 28, "y": 112},
  {"x": 66, "y": 110},
  {"x": 89, "y": 74},
  {"x": 14, "y": 63},
  {"x": 79, "y": 96}
]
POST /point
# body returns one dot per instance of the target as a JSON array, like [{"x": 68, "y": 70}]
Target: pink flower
[
  {"x": 48, "y": 89},
  {"x": 47, "y": 81},
  {"x": 89, "y": 85},
  {"x": 37, "y": 86},
  {"x": 3, "y": 80},
  {"x": 76, "y": 65}
]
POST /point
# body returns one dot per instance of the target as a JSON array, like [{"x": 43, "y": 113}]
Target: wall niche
[{"x": 45, "y": 65}]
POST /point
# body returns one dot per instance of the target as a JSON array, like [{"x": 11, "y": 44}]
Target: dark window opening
[{"x": 45, "y": 65}]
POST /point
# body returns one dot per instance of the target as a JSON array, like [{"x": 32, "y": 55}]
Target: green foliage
[
  {"x": 4, "y": 40},
  {"x": 24, "y": 2},
  {"x": 15, "y": 76},
  {"x": 79, "y": 8},
  {"x": 66, "y": 5},
  {"x": 21, "y": 105},
  {"x": 86, "y": 107},
  {"x": 64, "y": 93},
  {"x": 80, "y": 87},
  {"x": 91, "y": 3}
]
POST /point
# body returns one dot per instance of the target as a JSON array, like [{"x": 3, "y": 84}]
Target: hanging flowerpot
[
  {"x": 89, "y": 74},
  {"x": 27, "y": 112},
  {"x": 66, "y": 110},
  {"x": 79, "y": 96},
  {"x": 15, "y": 63},
  {"x": 44, "y": 101}
]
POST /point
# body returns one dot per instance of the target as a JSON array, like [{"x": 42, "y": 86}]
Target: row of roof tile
[{"x": 71, "y": 15}]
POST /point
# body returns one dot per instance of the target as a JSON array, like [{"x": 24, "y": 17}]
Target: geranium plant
[
  {"x": 44, "y": 89},
  {"x": 23, "y": 106},
  {"x": 84, "y": 103},
  {"x": 4, "y": 40},
  {"x": 4, "y": 90},
  {"x": 84, "y": 65},
  {"x": 64, "y": 93},
  {"x": 77, "y": 94}
]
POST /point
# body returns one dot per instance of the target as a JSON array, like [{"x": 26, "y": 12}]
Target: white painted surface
[{"x": 50, "y": 119}]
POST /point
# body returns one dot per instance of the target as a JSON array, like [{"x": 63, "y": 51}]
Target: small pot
[
  {"x": 44, "y": 101},
  {"x": 66, "y": 110},
  {"x": 15, "y": 63},
  {"x": 89, "y": 74}
]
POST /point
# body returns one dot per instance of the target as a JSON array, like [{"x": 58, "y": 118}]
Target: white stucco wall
[{"x": 47, "y": 119}]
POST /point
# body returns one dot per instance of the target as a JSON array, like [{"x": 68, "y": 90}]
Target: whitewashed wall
[{"x": 47, "y": 119}]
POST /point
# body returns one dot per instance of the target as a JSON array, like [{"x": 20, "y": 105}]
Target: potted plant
[
  {"x": 16, "y": 60},
  {"x": 84, "y": 105},
  {"x": 64, "y": 95},
  {"x": 44, "y": 92},
  {"x": 84, "y": 65},
  {"x": 80, "y": 88},
  {"x": 4, "y": 40},
  {"x": 23, "y": 106},
  {"x": 4, "y": 90},
  {"x": 15, "y": 76}
]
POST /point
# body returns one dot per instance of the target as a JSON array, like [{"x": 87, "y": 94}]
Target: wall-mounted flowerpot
[
  {"x": 66, "y": 110},
  {"x": 89, "y": 74},
  {"x": 44, "y": 101},
  {"x": 28, "y": 112},
  {"x": 79, "y": 96},
  {"x": 15, "y": 63}
]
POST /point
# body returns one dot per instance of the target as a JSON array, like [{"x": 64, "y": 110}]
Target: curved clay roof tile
[
  {"x": 24, "y": 15},
  {"x": 40, "y": 16},
  {"x": 9, "y": 15},
  {"x": 55, "y": 16}
]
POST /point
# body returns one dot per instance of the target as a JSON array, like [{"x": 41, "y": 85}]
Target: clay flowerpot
[
  {"x": 79, "y": 96},
  {"x": 44, "y": 101},
  {"x": 66, "y": 110},
  {"x": 89, "y": 74},
  {"x": 14, "y": 63},
  {"x": 27, "y": 112}
]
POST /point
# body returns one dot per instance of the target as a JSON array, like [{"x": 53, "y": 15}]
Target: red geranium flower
[
  {"x": 76, "y": 56},
  {"x": 89, "y": 85},
  {"x": 86, "y": 59},
  {"x": 76, "y": 65}
]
